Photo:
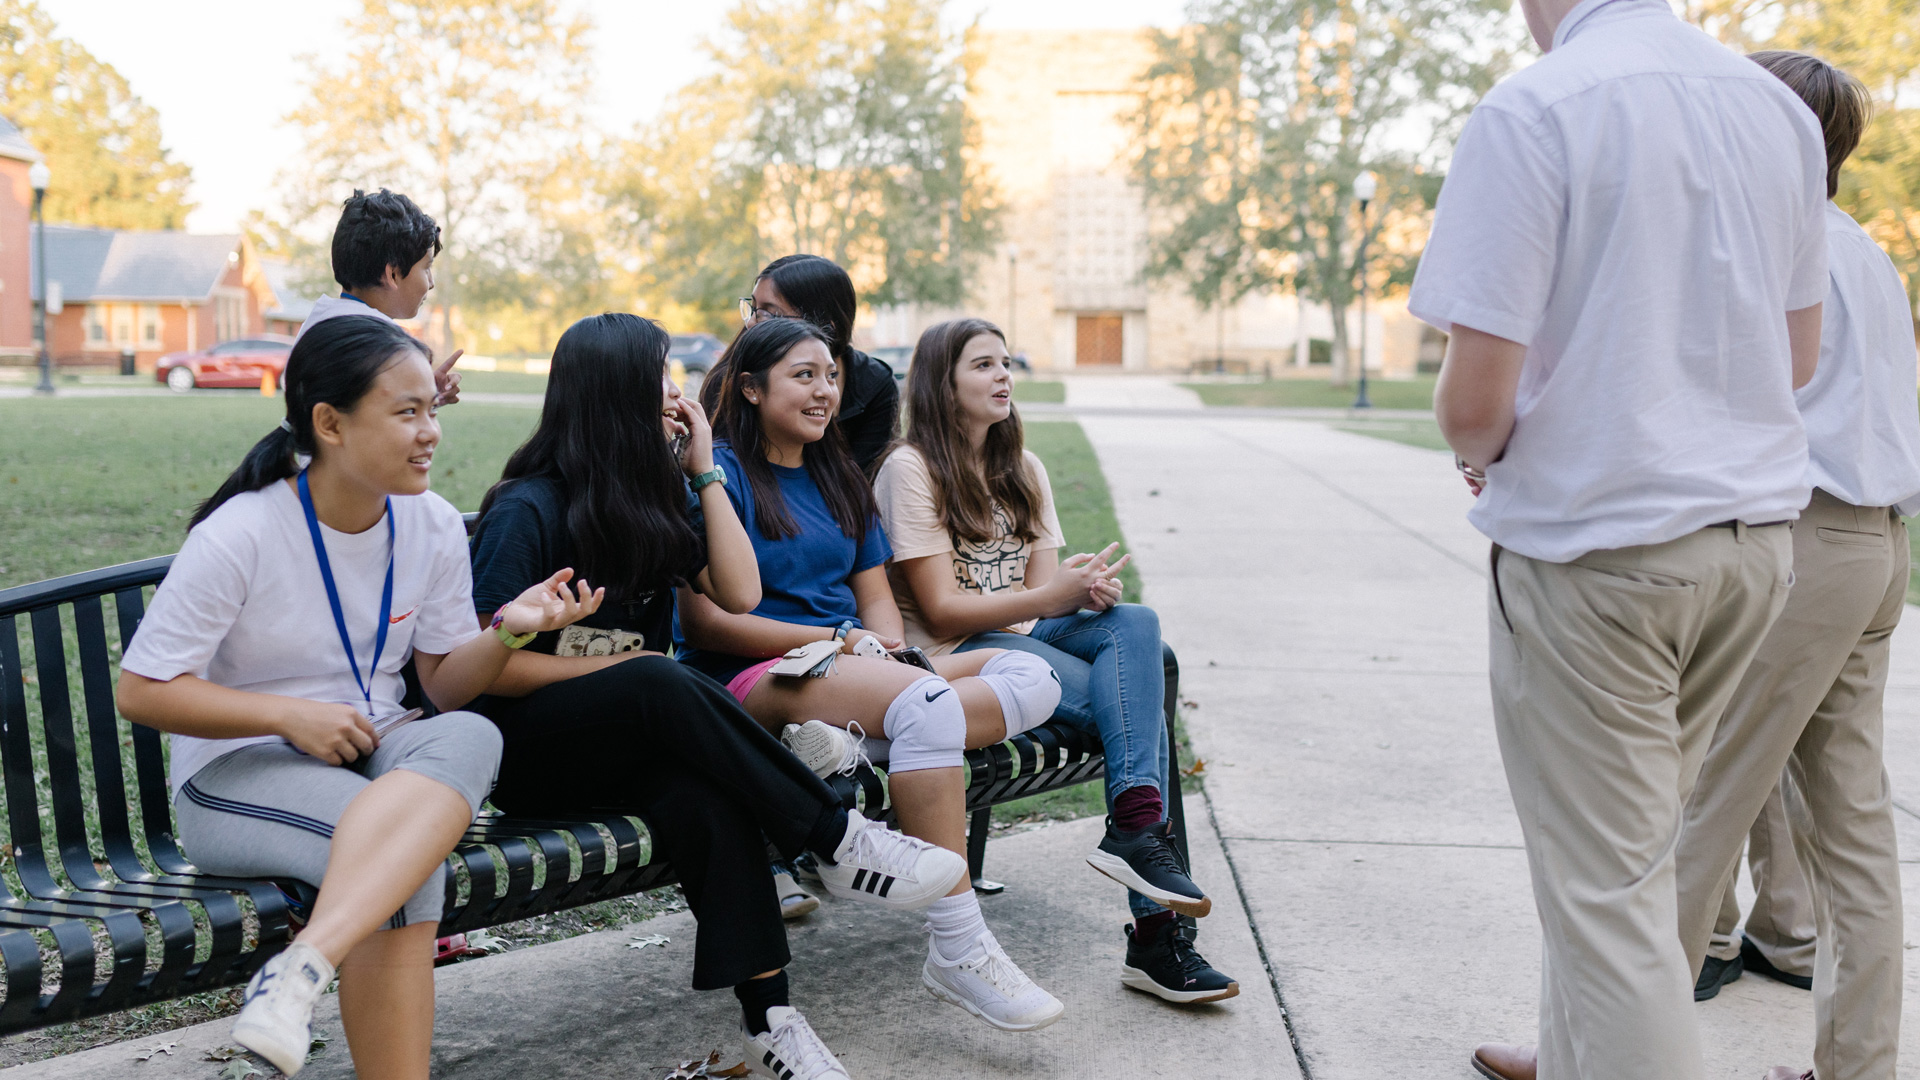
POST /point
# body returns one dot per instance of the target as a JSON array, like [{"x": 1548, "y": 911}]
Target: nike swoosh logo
[
  {"x": 401, "y": 617},
  {"x": 937, "y": 693}
]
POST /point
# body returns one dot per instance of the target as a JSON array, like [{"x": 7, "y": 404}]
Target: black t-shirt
[
  {"x": 869, "y": 407},
  {"x": 522, "y": 540}
]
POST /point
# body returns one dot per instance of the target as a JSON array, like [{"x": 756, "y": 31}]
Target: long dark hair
[
  {"x": 737, "y": 421},
  {"x": 967, "y": 489},
  {"x": 335, "y": 362},
  {"x": 600, "y": 438},
  {"x": 821, "y": 293}
]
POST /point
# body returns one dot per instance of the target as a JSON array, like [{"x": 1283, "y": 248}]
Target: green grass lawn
[
  {"x": 1028, "y": 392},
  {"x": 1414, "y": 393}
]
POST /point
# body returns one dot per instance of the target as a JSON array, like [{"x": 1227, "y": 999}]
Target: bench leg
[
  {"x": 1176, "y": 805},
  {"x": 977, "y": 851}
]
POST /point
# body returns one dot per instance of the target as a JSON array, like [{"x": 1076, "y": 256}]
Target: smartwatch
[{"x": 715, "y": 475}]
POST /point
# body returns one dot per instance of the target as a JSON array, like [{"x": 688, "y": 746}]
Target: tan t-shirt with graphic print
[{"x": 910, "y": 510}]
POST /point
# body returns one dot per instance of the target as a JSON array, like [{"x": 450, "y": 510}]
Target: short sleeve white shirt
[
  {"x": 332, "y": 307},
  {"x": 1863, "y": 429},
  {"x": 243, "y": 605},
  {"x": 1640, "y": 208}
]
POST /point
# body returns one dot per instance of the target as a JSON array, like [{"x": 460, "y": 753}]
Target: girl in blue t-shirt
[{"x": 822, "y": 556}]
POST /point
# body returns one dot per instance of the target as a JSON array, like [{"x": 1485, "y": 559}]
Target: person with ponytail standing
[
  {"x": 272, "y": 657},
  {"x": 975, "y": 566},
  {"x": 822, "y": 554}
]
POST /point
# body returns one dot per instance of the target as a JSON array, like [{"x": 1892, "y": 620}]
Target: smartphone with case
[
  {"x": 393, "y": 721},
  {"x": 914, "y": 655}
]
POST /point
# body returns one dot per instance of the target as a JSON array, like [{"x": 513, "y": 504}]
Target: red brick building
[
  {"x": 155, "y": 292},
  {"x": 16, "y": 218}
]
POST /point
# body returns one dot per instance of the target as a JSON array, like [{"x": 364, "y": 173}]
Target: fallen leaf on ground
[
  {"x": 154, "y": 1051},
  {"x": 224, "y": 1053},
  {"x": 239, "y": 1069},
  {"x": 1199, "y": 766},
  {"x": 707, "y": 1068},
  {"x": 645, "y": 940}
]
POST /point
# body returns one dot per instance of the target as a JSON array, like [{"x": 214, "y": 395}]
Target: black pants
[{"x": 655, "y": 738}]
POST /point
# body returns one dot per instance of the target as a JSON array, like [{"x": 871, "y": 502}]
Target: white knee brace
[
  {"x": 1027, "y": 686},
  {"x": 927, "y": 727}
]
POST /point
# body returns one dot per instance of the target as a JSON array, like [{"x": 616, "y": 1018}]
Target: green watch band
[
  {"x": 715, "y": 475},
  {"x": 507, "y": 637}
]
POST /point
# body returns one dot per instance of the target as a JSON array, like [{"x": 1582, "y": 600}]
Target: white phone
[{"x": 386, "y": 724}]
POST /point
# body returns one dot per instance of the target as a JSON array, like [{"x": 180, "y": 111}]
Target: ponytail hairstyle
[
  {"x": 600, "y": 438},
  {"x": 335, "y": 362},
  {"x": 736, "y": 421},
  {"x": 967, "y": 489}
]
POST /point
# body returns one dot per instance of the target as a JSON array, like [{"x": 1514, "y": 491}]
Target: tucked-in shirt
[
  {"x": 805, "y": 578},
  {"x": 910, "y": 507},
  {"x": 244, "y": 606},
  {"x": 1863, "y": 429},
  {"x": 1640, "y": 208},
  {"x": 332, "y": 307},
  {"x": 522, "y": 540}
]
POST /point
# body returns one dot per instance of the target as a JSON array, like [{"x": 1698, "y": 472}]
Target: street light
[
  {"x": 1013, "y": 295},
  {"x": 1364, "y": 187},
  {"x": 39, "y": 177}
]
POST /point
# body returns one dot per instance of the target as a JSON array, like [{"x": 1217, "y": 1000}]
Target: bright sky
[{"x": 224, "y": 75}]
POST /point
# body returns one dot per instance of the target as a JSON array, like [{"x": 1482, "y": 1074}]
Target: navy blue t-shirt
[{"x": 805, "y": 578}]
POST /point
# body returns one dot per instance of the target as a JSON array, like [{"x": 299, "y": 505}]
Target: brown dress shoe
[
  {"x": 1788, "y": 1072},
  {"x": 1499, "y": 1061}
]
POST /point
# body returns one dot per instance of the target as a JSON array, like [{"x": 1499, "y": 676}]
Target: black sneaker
[
  {"x": 1757, "y": 962},
  {"x": 1149, "y": 864},
  {"x": 1714, "y": 974},
  {"x": 1169, "y": 967}
]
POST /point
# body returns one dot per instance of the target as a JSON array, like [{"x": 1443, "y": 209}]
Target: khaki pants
[
  {"x": 1781, "y": 923},
  {"x": 1609, "y": 674},
  {"x": 1812, "y": 702}
]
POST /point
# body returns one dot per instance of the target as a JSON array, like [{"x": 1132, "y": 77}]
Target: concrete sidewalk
[{"x": 1326, "y": 596}]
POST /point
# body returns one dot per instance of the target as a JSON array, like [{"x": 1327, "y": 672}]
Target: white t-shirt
[
  {"x": 244, "y": 606},
  {"x": 1863, "y": 430},
  {"x": 1640, "y": 208},
  {"x": 328, "y": 307}
]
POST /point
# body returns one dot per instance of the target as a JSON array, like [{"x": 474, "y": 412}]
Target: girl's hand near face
[
  {"x": 696, "y": 452},
  {"x": 550, "y": 606}
]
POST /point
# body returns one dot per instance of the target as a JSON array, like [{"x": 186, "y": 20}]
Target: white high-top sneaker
[
  {"x": 824, "y": 748},
  {"x": 277, "y": 1020},
  {"x": 988, "y": 984},
  {"x": 789, "y": 1050},
  {"x": 877, "y": 864}
]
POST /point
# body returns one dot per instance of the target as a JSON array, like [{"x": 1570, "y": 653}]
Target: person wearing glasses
[{"x": 819, "y": 291}]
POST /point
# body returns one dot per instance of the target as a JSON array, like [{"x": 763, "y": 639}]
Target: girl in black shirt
[{"x": 598, "y": 719}]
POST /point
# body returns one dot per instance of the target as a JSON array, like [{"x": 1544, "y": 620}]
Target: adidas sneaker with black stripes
[{"x": 878, "y": 865}]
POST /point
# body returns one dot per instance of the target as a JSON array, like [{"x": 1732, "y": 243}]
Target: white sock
[
  {"x": 956, "y": 923},
  {"x": 1027, "y": 686}
]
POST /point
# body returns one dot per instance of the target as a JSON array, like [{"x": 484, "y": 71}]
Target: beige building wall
[{"x": 1053, "y": 111}]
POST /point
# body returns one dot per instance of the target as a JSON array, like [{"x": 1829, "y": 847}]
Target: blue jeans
[{"x": 1112, "y": 684}]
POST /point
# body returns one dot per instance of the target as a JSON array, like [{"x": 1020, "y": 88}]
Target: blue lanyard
[{"x": 333, "y": 596}]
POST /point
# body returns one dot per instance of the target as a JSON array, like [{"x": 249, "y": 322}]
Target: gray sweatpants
[{"x": 268, "y": 811}]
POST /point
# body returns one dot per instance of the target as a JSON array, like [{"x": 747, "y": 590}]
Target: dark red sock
[
  {"x": 1137, "y": 808},
  {"x": 1148, "y": 927}
]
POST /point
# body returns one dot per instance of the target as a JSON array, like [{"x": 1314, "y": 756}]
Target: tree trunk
[{"x": 1342, "y": 356}]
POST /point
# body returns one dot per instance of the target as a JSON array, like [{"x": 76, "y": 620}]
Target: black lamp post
[
  {"x": 1364, "y": 187},
  {"x": 39, "y": 176}
]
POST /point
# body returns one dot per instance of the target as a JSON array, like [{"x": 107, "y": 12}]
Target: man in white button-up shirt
[
  {"x": 1630, "y": 255},
  {"x": 1811, "y": 700}
]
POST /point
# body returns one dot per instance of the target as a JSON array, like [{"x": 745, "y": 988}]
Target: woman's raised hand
[
  {"x": 1074, "y": 584},
  {"x": 696, "y": 456},
  {"x": 550, "y": 605}
]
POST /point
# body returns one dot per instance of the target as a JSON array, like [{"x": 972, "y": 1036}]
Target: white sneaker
[
  {"x": 277, "y": 1020},
  {"x": 789, "y": 1050},
  {"x": 988, "y": 984},
  {"x": 877, "y": 864},
  {"x": 795, "y": 902},
  {"x": 824, "y": 748}
]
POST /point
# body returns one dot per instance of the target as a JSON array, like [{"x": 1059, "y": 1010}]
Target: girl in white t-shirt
[
  {"x": 975, "y": 566},
  {"x": 272, "y": 657}
]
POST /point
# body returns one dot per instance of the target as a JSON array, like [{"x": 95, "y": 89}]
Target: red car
[{"x": 242, "y": 362}]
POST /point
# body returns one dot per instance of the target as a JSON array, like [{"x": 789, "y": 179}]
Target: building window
[
  {"x": 96, "y": 324},
  {"x": 122, "y": 324},
  {"x": 229, "y": 315},
  {"x": 150, "y": 326}
]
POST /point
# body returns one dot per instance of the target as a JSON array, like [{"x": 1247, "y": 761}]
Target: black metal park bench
[{"x": 107, "y": 912}]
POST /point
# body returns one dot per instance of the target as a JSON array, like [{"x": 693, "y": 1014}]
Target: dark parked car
[
  {"x": 243, "y": 362},
  {"x": 897, "y": 357},
  {"x": 696, "y": 355}
]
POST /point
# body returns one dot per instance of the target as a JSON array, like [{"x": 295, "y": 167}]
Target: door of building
[{"x": 1097, "y": 341}]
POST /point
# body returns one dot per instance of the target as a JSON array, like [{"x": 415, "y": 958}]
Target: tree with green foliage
[
  {"x": 475, "y": 111},
  {"x": 835, "y": 127},
  {"x": 1258, "y": 115},
  {"x": 102, "y": 143}
]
